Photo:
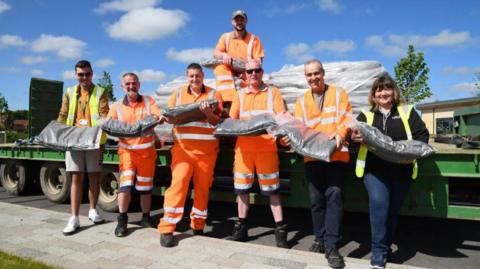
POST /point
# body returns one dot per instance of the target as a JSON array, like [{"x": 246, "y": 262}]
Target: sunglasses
[
  {"x": 256, "y": 70},
  {"x": 87, "y": 74}
]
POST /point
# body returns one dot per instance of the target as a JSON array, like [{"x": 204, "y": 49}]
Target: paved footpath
[{"x": 36, "y": 233}]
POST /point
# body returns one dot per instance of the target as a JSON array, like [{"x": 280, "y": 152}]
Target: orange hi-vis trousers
[
  {"x": 186, "y": 165},
  {"x": 224, "y": 76},
  {"x": 137, "y": 167},
  {"x": 265, "y": 164}
]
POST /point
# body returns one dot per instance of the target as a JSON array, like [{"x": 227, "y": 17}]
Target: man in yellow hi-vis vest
[{"x": 82, "y": 106}]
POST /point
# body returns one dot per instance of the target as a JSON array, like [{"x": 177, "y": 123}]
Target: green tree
[
  {"x": 411, "y": 76},
  {"x": 477, "y": 82},
  {"x": 106, "y": 83},
  {"x": 3, "y": 104}
]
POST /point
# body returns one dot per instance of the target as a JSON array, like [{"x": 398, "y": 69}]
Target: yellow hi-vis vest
[
  {"x": 94, "y": 100},
  {"x": 404, "y": 112}
]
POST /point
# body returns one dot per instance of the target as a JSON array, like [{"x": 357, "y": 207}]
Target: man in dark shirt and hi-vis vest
[{"x": 82, "y": 106}]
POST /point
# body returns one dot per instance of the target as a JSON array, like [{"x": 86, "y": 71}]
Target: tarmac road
[{"x": 425, "y": 242}]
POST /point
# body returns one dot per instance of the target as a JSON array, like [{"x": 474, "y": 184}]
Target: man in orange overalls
[
  {"x": 238, "y": 44},
  {"x": 137, "y": 155},
  {"x": 193, "y": 156},
  {"x": 257, "y": 154}
]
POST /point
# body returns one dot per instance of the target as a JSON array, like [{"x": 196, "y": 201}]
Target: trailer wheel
[
  {"x": 13, "y": 176},
  {"x": 107, "y": 199},
  {"x": 55, "y": 182}
]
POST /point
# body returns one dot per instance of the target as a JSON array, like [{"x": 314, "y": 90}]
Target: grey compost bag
[
  {"x": 118, "y": 128},
  {"x": 63, "y": 137},
  {"x": 164, "y": 133},
  {"x": 254, "y": 126},
  {"x": 303, "y": 139},
  {"x": 187, "y": 113},
  {"x": 237, "y": 65},
  {"x": 392, "y": 151}
]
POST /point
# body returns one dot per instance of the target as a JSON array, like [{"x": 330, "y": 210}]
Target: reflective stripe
[
  {"x": 174, "y": 210},
  {"x": 224, "y": 77},
  {"x": 195, "y": 136},
  {"x": 172, "y": 220},
  {"x": 239, "y": 186},
  {"x": 144, "y": 179},
  {"x": 119, "y": 112},
  {"x": 329, "y": 109},
  {"x": 126, "y": 183},
  {"x": 250, "y": 47},
  {"x": 143, "y": 188},
  {"x": 227, "y": 40},
  {"x": 256, "y": 112},
  {"x": 196, "y": 124},
  {"x": 329, "y": 120},
  {"x": 269, "y": 187},
  {"x": 139, "y": 146},
  {"x": 211, "y": 94},
  {"x": 361, "y": 163},
  {"x": 226, "y": 87},
  {"x": 311, "y": 123},
  {"x": 179, "y": 92},
  {"x": 199, "y": 213},
  {"x": 243, "y": 175},
  {"x": 126, "y": 173},
  {"x": 268, "y": 176}
]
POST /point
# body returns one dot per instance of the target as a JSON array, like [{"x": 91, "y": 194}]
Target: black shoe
[
  {"x": 166, "y": 240},
  {"x": 121, "y": 229},
  {"x": 240, "y": 232},
  {"x": 317, "y": 247},
  {"x": 146, "y": 222},
  {"x": 197, "y": 232},
  {"x": 281, "y": 236},
  {"x": 335, "y": 260}
]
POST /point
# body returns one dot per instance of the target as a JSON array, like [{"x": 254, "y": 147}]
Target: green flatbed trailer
[{"x": 448, "y": 185}]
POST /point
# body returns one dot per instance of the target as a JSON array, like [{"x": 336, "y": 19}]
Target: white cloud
[
  {"x": 4, "y": 7},
  {"x": 337, "y": 46},
  {"x": 149, "y": 75},
  {"x": 189, "y": 55},
  {"x": 125, "y": 5},
  {"x": 302, "y": 52},
  {"x": 292, "y": 8},
  {"x": 461, "y": 70},
  {"x": 465, "y": 87},
  {"x": 332, "y": 6},
  {"x": 11, "y": 41},
  {"x": 30, "y": 60},
  {"x": 148, "y": 24},
  {"x": 8, "y": 69},
  {"x": 68, "y": 75},
  {"x": 379, "y": 45},
  {"x": 37, "y": 72},
  {"x": 64, "y": 46},
  {"x": 299, "y": 52},
  {"x": 104, "y": 62},
  {"x": 443, "y": 39}
]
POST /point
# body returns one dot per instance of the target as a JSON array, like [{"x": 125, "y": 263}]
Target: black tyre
[
  {"x": 13, "y": 175},
  {"x": 107, "y": 199},
  {"x": 55, "y": 182}
]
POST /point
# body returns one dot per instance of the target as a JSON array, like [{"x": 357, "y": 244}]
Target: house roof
[{"x": 450, "y": 103}]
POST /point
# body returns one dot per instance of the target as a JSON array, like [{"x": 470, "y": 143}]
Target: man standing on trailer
[
  {"x": 137, "y": 155},
  {"x": 82, "y": 106}
]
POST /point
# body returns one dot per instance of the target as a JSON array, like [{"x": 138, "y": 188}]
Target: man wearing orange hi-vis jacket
[
  {"x": 137, "y": 155},
  {"x": 193, "y": 157},
  {"x": 257, "y": 154},
  {"x": 238, "y": 44},
  {"x": 325, "y": 108}
]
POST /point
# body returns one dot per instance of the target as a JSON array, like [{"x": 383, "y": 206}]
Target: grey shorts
[{"x": 89, "y": 161}]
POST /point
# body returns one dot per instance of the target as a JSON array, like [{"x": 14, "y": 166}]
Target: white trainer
[
  {"x": 95, "y": 217},
  {"x": 72, "y": 226}
]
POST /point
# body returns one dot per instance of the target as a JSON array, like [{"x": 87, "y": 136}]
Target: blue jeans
[
  {"x": 325, "y": 182},
  {"x": 385, "y": 198}
]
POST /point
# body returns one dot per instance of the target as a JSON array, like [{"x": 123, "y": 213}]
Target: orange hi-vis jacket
[
  {"x": 130, "y": 112},
  {"x": 247, "y": 104},
  {"x": 246, "y": 48},
  {"x": 196, "y": 137},
  {"x": 330, "y": 119}
]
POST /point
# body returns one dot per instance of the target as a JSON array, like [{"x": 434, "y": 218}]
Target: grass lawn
[{"x": 16, "y": 262}]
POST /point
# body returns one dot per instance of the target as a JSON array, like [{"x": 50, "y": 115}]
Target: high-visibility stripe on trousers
[
  {"x": 266, "y": 166},
  {"x": 186, "y": 165},
  {"x": 225, "y": 82},
  {"x": 137, "y": 167}
]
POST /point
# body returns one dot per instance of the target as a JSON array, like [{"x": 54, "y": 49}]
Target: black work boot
[
  {"x": 334, "y": 258},
  {"x": 166, "y": 240},
  {"x": 146, "y": 221},
  {"x": 317, "y": 247},
  {"x": 121, "y": 229},
  {"x": 197, "y": 232},
  {"x": 240, "y": 232},
  {"x": 281, "y": 236}
]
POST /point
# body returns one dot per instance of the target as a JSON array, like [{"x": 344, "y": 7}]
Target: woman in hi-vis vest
[{"x": 387, "y": 183}]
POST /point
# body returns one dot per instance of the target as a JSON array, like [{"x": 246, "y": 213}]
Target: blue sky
[{"x": 157, "y": 39}]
